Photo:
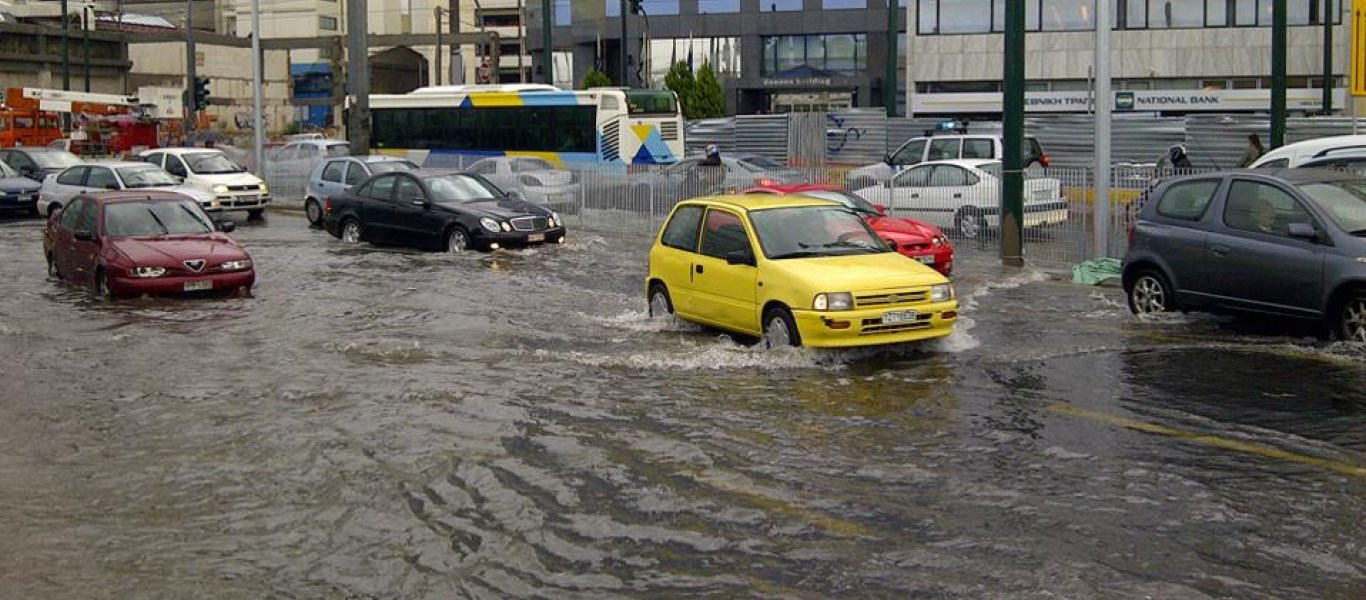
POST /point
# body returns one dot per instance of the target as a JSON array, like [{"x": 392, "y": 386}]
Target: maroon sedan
[{"x": 145, "y": 242}]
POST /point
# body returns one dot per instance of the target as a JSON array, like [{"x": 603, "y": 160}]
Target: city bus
[{"x": 451, "y": 126}]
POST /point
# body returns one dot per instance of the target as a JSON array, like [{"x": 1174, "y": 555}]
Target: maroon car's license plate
[
  {"x": 535, "y": 237},
  {"x": 198, "y": 286}
]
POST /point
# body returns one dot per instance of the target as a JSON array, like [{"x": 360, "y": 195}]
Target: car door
[
  {"x": 944, "y": 149},
  {"x": 66, "y": 185},
  {"x": 1254, "y": 263},
  {"x": 63, "y": 239},
  {"x": 952, "y": 187},
  {"x": 725, "y": 293},
  {"x": 101, "y": 179},
  {"x": 175, "y": 165},
  {"x": 909, "y": 191},
  {"x": 409, "y": 216},
  {"x": 330, "y": 179},
  {"x": 909, "y": 154},
  {"x": 356, "y": 172},
  {"x": 376, "y": 209},
  {"x": 81, "y": 255},
  {"x": 674, "y": 257},
  {"x": 1178, "y": 238}
]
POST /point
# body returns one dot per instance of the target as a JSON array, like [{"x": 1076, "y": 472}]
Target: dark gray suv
[{"x": 1285, "y": 243}]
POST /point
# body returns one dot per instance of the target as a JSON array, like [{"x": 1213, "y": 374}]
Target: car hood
[
  {"x": 208, "y": 179},
  {"x": 505, "y": 208},
  {"x": 909, "y": 228},
  {"x": 19, "y": 184},
  {"x": 170, "y": 252},
  {"x": 858, "y": 272}
]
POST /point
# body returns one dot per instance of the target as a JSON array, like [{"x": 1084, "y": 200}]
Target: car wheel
[
  {"x": 660, "y": 303},
  {"x": 458, "y": 240},
  {"x": 103, "y": 290},
  {"x": 1150, "y": 294},
  {"x": 351, "y": 232},
  {"x": 255, "y": 213},
  {"x": 779, "y": 328},
  {"x": 313, "y": 211},
  {"x": 970, "y": 223},
  {"x": 1351, "y": 318}
]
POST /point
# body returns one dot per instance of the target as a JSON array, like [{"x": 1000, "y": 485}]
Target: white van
[
  {"x": 943, "y": 147},
  {"x": 210, "y": 170},
  {"x": 1298, "y": 153}
]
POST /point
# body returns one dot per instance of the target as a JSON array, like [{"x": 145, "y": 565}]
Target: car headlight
[
  {"x": 938, "y": 241},
  {"x": 220, "y": 189},
  {"x": 147, "y": 272},
  {"x": 236, "y": 265},
  {"x": 489, "y": 224},
  {"x": 506, "y": 226},
  {"x": 833, "y": 301},
  {"x": 265, "y": 189},
  {"x": 941, "y": 292}
]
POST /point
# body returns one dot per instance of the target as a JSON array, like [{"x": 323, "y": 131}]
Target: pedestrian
[
  {"x": 1174, "y": 159},
  {"x": 1254, "y": 151}
]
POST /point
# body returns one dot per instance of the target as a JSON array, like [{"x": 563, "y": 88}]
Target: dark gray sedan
[{"x": 1287, "y": 243}]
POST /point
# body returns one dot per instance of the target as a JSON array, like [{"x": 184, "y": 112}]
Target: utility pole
[
  {"x": 1278, "y": 26},
  {"x": 1104, "y": 104},
  {"x": 889, "y": 71},
  {"x": 358, "y": 59},
  {"x": 547, "y": 35},
  {"x": 258, "y": 122},
  {"x": 912, "y": 28},
  {"x": 1012, "y": 122},
  {"x": 1328, "y": 83},
  {"x": 66, "y": 48},
  {"x": 437, "y": 10},
  {"x": 87, "y": 16},
  {"x": 622, "y": 82},
  {"x": 190, "y": 78}
]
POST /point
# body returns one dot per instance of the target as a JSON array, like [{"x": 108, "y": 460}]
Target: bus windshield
[{"x": 651, "y": 102}]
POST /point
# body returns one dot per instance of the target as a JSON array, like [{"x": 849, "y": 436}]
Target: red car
[
  {"x": 915, "y": 239},
  {"x": 132, "y": 243}
]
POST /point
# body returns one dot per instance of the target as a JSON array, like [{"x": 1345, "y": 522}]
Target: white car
[
  {"x": 209, "y": 170},
  {"x": 964, "y": 195},
  {"x": 943, "y": 147},
  {"x": 60, "y": 188},
  {"x": 299, "y": 157},
  {"x": 1298, "y": 153},
  {"x": 532, "y": 179}
]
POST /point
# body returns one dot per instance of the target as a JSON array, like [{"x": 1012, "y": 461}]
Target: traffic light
[
  {"x": 636, "y": 8},
  {"x": 201, "y": 93}
]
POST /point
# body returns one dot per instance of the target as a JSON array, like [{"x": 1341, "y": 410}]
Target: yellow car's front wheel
[
  {"x": 780, "y": 329},
  {"x": 660, "y": 304}
]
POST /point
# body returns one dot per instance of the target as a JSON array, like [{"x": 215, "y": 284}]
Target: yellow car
[{"x": 793, "y": 271}]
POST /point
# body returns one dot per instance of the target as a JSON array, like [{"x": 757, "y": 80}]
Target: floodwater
[{"x": 380, "y": 423}]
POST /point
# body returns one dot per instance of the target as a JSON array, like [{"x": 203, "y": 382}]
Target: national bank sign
[{"x": 1127, "y": 101}]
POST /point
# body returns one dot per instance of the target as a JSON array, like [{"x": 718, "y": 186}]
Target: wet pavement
[{"x": 379, "y": 423}]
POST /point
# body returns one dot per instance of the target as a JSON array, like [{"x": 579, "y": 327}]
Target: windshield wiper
[
  {"x": 847, "y": 244},
  {"x": 164, "y": 229},
  {"x": 798, "y": 254},
  {"x": 1357, "y": 232}
]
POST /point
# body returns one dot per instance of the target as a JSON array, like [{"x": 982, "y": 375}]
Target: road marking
[{"x": 1209, "y": 440}]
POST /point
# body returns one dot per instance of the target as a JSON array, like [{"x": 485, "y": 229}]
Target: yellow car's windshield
[{"x": 813, "y": 231}]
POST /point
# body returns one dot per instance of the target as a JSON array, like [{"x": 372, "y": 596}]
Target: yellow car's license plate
[
  {"x": 927, "y": 259},
  {"x": 198, "y": 286},
  {"x": 900, "y": 316}
]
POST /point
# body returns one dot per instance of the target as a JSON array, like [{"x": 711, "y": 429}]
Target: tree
[
  {"x": 708, "y": 99},
  {"x": 680, "y": 81},
  {"x": 596, "y": 78}
]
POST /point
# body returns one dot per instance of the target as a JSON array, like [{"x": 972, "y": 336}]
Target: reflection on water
[{"x": 381, "y": 422}]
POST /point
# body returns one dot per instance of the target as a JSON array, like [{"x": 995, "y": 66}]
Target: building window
[
  {"x": 779, "y": 5},
  {"x": 722, "y": 53},
  {"x": 1068, "y": 15},
  {"x": 713, "y": 7},
  {"x": 327, "y": 23},
  {"x": 563, "y": 13},
  {"x": 984, "y": 16},
  {"x": 500, "y": 20},
  {"x": 651, "y": 7},
  {"x": 840, "y": 54},
  {"x": 844, "y": 4}
]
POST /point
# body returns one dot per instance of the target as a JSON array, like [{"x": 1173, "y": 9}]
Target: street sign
[{"x": 1356, "y": 84}]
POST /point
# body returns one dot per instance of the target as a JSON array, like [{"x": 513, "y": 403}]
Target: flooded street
[{"x": 382, "y": 423}]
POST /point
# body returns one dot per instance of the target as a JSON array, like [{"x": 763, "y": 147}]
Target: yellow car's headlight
[
  {"x": 833, "y": 301},
  {"x": 941, "y": 293}
]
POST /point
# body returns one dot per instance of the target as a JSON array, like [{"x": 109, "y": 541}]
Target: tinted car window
[
  {"x": 681, "y": 232},
  {"x": 1262, "y": 208},
  {"x": 917, "y": 177},
  {"x": 723, "y": 234},
  {"x": 339, "y": 150},
  {"x": 1344, "y": 201},
  {"x": 948, "y": 176},
  {"x": 154, "y": 158},
  {"x": 1187, "y": 200},
  {"x": 101, "y": 178},
  {"x": 334, "y": 171},
  {"x": 382, "y": 188},
  {"x": 910, "y": 154},
  {"x": 484, "y": 167},
  {"x": 979, "y": 148},
  {"x": 1279, "y": 163},
  {"x": 388, "y": 166},
  {"x": 309, "y": 152},
  {"x": 73, "y": 176},
  {"x": 72, "y": 214},
  {"x": 458, "y": 188},
  {"x": 944, "y": 149},
  {"x": 356, "y": 173},
  {"x": 174, "y": 166},
  {"x": 408, "y": 190}
]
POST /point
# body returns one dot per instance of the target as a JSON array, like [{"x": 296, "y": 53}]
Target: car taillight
[
  {"x": 1044, "y": 160},
  {"x": 327, "y": 205},
  {"x": 766, "y": 182}
]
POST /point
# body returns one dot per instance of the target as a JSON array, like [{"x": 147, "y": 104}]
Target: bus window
[{"x": 651, "y": 102}]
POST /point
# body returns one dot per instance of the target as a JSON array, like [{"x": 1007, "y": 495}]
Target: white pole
[
  {"x": 258, "y": 129},
  {"x": 911, "y": 27},
  {"x": 1104, "y": 103}
]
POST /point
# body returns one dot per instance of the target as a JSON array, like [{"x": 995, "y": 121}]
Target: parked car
[
  {"x": 438, "y": 209},
  {"x": 532, "y": 179},
  {"x": 964, "y": 195},
  {"x": 792, "y": 270},
  {"x": 1298, "y": 153},
  {"x": 210, "y": 170},
  {"x": 1285, "y": 243},
  {"x": 915, "y": 239},
  {"x": 689, "y": 178},
  {"x": 99, "y": 177},
  {"x": 942, "y": 147},
  {"x": 148, "y": 242},
  {"x": 299, "y": 157},
  {"x": 17, "y": 193},
  {"x": 336, "y": 175},
  {"x": 36, "y": 162}
]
